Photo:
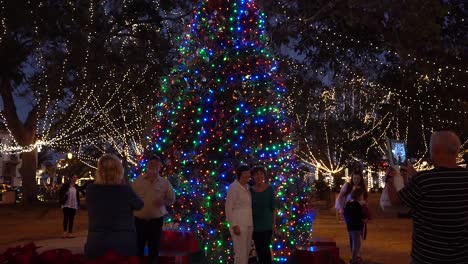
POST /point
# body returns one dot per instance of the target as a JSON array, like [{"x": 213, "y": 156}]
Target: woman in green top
[{"x": 264, "y": 212}]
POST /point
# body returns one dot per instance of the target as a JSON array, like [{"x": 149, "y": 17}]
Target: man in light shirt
[
  {"x": 239, "y": 214},
  {"x": 156, "y": 193}
]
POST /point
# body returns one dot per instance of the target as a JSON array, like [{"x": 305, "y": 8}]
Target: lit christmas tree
[{"x": 223, "y": 106}]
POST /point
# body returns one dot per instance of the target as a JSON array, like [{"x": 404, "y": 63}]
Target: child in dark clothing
[{"x": 355, "y": 219}]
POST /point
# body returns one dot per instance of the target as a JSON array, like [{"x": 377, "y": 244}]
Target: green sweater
[{"x": 263, "y": 206}]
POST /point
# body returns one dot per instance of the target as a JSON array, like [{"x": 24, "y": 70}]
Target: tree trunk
[
  {"x": 28, "y": 173},
  {"x": 28, "y": 166},
  {"x": 25, "y": 135}
]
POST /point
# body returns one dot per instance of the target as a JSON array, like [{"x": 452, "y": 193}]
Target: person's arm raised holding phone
[
  {"x": 390, "y": 176},
  {"x": 438, "y": 200}
]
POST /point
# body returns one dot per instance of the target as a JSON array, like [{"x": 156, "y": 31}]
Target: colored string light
[{"x": 224, "y": 104}]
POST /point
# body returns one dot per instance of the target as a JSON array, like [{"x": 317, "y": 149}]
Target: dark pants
[
  {"x": 262, "y": 242},
  {"x": 149, "y": 231},
  {"x": 68, "y": 218}
]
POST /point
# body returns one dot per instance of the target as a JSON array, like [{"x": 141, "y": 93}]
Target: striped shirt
[{"x": 439, "y": 198}]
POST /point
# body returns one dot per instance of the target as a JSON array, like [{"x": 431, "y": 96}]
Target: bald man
[{"x": 439, "y": 198}]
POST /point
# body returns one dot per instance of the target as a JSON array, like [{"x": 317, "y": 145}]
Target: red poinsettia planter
[
  {"x": 19, "y": 255},
  {"x": 28, "y": 254}
]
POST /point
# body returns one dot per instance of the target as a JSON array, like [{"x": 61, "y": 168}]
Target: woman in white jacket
[{"x": 239, "y": 215}]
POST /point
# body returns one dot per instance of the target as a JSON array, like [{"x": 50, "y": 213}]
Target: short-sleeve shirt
[
  {"x": 439, "y": 198},
  {"x": 158, "y": 190},
  {"x": 72, "y": 201}
]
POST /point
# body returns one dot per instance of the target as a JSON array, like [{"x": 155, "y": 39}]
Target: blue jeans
[{"x": 355, "y": 243}]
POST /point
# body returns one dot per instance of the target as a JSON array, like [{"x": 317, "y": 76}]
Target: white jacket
[{"x": 238, "y": 205}]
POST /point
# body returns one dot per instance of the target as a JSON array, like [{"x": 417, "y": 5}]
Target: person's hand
[
  {"x": 236, "y": 230},
  {"x": 274, "y": 230},
  {"x": 410, "y": 170},
  {"x": 391, "y": 172},
  {"x": 340, "y": 214}
]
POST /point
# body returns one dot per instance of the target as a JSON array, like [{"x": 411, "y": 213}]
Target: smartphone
[{"x": 397, "y": 153}]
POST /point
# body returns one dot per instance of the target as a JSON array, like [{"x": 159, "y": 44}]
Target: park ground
[{"x": 388, "y": 240}]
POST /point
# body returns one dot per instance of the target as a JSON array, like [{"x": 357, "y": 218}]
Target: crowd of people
[
  {"x": 121, "y": 218},
  {"x": 126, "y": 218}
]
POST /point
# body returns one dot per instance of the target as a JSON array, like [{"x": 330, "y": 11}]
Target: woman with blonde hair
[{"x": 110, "y": 204}]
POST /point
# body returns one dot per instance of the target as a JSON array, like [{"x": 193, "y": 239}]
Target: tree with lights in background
[{"x": 220, "y": 107}]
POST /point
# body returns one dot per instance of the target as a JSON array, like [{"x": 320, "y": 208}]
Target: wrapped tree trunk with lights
[
  {"x": 222, "y": 106},
  {"x": 25, "y": 135}
]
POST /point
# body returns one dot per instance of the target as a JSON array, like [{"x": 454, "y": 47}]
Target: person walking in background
[
  {"x": 264, "y": 212},
  {"x": 111, "y": 225},
  {"x": 69, "y": 198},
  {"x": 238, "y": 210},
  {"x": 45, "y": 179},
  {"x": 156, "y": 193},
  {"x": 438, "y": 198},
  {"x": 355, "y": 219}
]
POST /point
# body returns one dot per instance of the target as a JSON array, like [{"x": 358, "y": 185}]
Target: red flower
[
  {"x": 56, "y": 256},
  {"x": 28, "y": 255},
  {"x": 20, "y": 254}
]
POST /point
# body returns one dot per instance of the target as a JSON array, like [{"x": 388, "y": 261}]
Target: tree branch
[
  {"x": 323, "y": 10},
  {"x": 125, "y": 35},
  {"x": 11, "y": 116},
  {"x": 57, "y": 125},
  {"x": 153, "y": 20},
  {"x": 31, "y": 120},
  {"x": 177, "y": 17}
]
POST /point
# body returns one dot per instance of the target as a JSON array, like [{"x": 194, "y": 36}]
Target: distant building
[{"x": 9, "y": 163}]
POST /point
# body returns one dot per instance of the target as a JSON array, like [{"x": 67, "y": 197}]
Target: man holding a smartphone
[{"x": 439, "y": 200}]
